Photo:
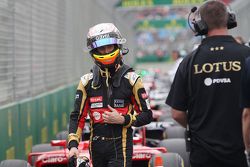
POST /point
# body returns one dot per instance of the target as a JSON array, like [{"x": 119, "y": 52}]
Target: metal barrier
[{"x": 34, "y": 121}]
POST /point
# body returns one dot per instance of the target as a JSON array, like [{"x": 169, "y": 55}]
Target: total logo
[{"x": 210, "y": 81}]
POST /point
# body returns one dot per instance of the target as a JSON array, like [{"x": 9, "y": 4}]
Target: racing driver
[{"x": 113, "y": 96}]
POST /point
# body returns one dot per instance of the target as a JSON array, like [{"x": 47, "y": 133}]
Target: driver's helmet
[{"x": 101, "y": 35}]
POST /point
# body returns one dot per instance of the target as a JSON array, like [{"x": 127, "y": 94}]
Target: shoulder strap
[
  {"x": 119, "y": 74},
  {"x": 96, "y": 76}
]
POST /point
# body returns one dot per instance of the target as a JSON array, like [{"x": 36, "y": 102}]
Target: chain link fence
[
  {"x": 32, "y": 47},
  {"x": 42, "y": 43}
]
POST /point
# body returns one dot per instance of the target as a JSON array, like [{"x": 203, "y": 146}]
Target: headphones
[{"x": 200, "y": 27}]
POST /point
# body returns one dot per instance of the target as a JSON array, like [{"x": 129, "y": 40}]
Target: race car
[{"x": 143, "y": 156}]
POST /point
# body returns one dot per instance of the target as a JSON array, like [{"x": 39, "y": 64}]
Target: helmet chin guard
[{"x": 107, "y": 60}]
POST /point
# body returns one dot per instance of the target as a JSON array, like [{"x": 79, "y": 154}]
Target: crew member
[{"x": 205, "y": 93}]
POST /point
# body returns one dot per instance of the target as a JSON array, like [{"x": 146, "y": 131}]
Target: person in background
[
  {"x": 205, "y": 93},
  {"x": 110, "y": 95},
  {"x": 245, "y": 100},
  {"x": 240, "y": 40},
  {"x": 177, "y": 58}
]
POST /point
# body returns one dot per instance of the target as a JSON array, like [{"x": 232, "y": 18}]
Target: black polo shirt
[{"x": 212, "y": 101}]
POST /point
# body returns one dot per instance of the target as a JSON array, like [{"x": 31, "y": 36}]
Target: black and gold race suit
[{"x": 110, "y": 144}]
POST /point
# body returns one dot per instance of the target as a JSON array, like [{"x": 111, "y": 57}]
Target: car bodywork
[{"x": 58, "y": 158}]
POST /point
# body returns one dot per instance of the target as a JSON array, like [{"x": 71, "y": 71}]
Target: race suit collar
[{"x": 97, "y": 73}]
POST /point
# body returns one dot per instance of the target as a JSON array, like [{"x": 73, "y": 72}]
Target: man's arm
[
  {"x": 141, "y": 105},
  {"x": 246, "y": 127},
  {"x": 180, "y": 117},
  {"x": 245, "y": 103},
  {"x": 77, "y": 120},
  {"x": 78, "y": 116}
]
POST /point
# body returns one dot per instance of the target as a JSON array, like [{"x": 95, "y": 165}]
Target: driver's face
[{"x": 106, "y": 49}]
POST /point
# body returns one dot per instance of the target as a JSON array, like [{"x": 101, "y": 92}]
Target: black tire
[
  {"x": 168, "y": 159},
  {"x": 63, "y": 135},
  {"x": 176, "y": 146},
  {"x": 175, "y": 132},
  {"x": 14, "y": 163},
  {"x": 42, "y": 148}
]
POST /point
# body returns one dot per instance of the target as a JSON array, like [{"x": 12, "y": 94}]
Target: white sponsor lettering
[
  {"x": 95, "y": 99},
  {"x": 210, "y": 81},
  {"x": 102, "y": 37},
  {"x": 142, "y": 156},
  {"x": 53, "y": 159},
  {"x": 96, "y": 105},
  {"x": 148, "y": 104},
  {"x": 118, "y": 103}
]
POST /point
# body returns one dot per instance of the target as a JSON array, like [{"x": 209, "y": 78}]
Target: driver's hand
[
  {"x": 73, "y": 152},
  {"x": 113, "y": 117}
]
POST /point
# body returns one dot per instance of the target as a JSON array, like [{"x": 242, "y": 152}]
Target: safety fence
[
  {"x": 32, "y": 48},
  {"x": 42, "y": 43},
  {"x": 34, "y": 121}
]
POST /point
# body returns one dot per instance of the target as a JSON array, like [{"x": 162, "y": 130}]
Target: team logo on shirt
[
  {"x": 96, "y": 105},
  {"x": 95, "y": 99},
  {"x": 148, "y": 104},
  {"x": 118, "y": 103},
  {"x": 96, "y": 115},
  {"x": 210, "y": 81},
  {"x": 217, "y": 67},
  {"x": 77, "y": 96},
  {"x": 102, "y": 36}
]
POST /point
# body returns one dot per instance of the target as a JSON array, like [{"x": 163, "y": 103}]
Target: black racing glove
[
  {"x": 82, "y": 162},
  {"x": 72, "y": 162}
]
